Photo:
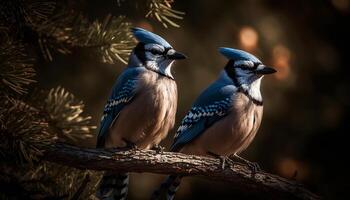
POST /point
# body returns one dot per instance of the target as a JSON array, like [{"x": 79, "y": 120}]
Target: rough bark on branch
[{"x": 262, "y": 184}]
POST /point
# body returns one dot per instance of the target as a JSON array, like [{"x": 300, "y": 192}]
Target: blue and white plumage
[
  {"x": 225, "y": 118},
  {"x": 238, "y": 55},
  {"x": 210, "y": 106},
  {"x": 122, "y": 93},
  {"x": 142, "y": 106},
  {"x": 147, "y": 37}
]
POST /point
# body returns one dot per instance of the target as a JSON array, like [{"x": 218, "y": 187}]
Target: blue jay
[
  {"x": 224, "y": 119},
  {"x": 142, "y": 106}
]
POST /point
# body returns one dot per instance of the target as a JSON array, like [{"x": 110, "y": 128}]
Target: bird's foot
[
  {"x": 158, "y": 148},
  {"x": 225, "y": 161},
  {"x": 254, "y": 167},
  {"x": 130, "y": 145}
]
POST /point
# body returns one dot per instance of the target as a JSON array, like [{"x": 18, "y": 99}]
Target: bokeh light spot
[
  {"x": 248, "y": 38},
  {"x": 342, "y": 5},
  {"x": 291, "y": 168},
  {"x": 270, "y": 30},
  {"x": 281, "y": 61}
]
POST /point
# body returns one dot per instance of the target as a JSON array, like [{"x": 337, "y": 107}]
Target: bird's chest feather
[
  {"x": 245, "y": 119},
  {"x": 151, "y": 114},
  {"x": 158, "y": 94},
  {"x": 246, "y": 115},
  {"x": 234, "y": 132}
]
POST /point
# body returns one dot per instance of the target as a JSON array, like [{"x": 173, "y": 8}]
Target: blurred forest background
[{"x": 306, "y": 118}]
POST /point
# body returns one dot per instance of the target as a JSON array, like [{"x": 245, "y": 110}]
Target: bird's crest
[
  {"x": 147, "y": 37},
  {"x": 235, "y": 54}
]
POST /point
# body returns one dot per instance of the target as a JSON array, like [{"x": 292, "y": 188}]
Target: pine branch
[
  {"x": 19, "y": 13},
  {"x": 16, "y": 68},
  {"x": 77, "y": 195},
  {"x": 61, "y": 29},
  {"x": 64, "y": 115},
  {"x": 25, "y": 129},
  {"x": 37, "y": 11},
  {"x": 23, "y": 133},
  {"x": 162, "y": 11},
  {"x": 111, "y": 39},
  {"x": 262, "y": 184},
  {"x": 67, "y": 181}
]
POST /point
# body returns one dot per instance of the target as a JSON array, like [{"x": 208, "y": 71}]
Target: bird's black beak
[
  {"x": 176, "y": 56},
  {"x": 265, "y": 70}
]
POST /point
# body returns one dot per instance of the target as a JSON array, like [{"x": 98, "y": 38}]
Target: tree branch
[{"x": 262, "y": 184}]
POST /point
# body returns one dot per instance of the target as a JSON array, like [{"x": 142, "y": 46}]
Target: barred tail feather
[
  {"x": 113, "y": 186},
  {"x": 173, "y": 188},
  {"x": 169, "y": 186}
]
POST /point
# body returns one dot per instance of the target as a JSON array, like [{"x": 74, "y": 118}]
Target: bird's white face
[
  {"x": 157, "y": 58},
  {"x": 247, "y": 75},
  {"x": 245, "y": 71}
]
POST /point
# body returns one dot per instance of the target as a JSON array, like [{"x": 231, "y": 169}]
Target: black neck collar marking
[
  {"x": 229, "y": 68},
  {"x": 139, "y": 51},
  {"x": 246, "y": 93},
  {"x": 166, "y": 76},
  {"x": 231, "y": 72}
]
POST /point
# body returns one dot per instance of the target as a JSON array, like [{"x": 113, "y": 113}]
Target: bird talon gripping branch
[
  {"x": 130, "y": 145},
  {"x": 159, "y": 149},
  {"x": 253, "y": 166},
  {"x": 225, "y": 161}
]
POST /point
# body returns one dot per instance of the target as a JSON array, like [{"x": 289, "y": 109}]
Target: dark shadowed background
[{"x": 306, "y": 116}]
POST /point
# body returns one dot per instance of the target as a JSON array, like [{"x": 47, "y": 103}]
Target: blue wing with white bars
[
  {"x": 122, "y": 94},
  {"x": 212, "y": 105}
]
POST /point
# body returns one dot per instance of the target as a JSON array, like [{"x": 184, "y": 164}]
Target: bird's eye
[
  {"x": 244, "y": 64},
  {"x": 245, "y": 67},
  {"x": 155, "y": 51}
]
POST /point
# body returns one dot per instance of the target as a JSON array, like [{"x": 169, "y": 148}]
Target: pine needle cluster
[{"x": 32, "y": 118}]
